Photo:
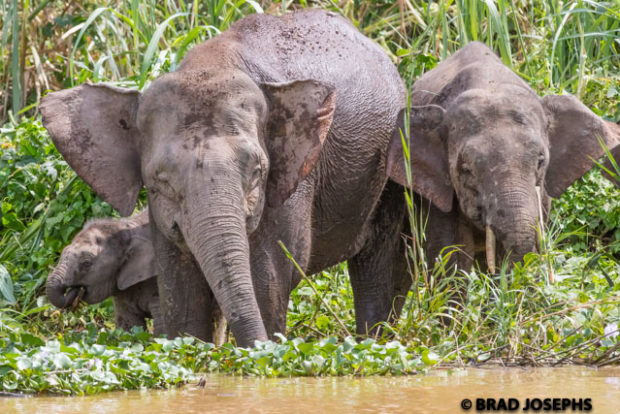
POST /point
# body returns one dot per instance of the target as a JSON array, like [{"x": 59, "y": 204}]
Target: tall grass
[{"x": 50, "y": 44}]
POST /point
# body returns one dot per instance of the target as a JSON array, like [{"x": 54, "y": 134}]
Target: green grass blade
[
  {"x": 152, "y": 47},
  {"x": 93, "y": 16}
]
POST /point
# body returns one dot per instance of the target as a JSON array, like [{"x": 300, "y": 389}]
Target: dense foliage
[
  {"x": 88, "y": 362},
  {"x": 520, "y": 317}
]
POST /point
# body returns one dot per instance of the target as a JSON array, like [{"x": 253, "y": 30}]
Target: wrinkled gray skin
[
  {"x": 111, "y": 257},
  {"x": 481, "y": 142},
  {"x": 276, "y": 129},
  {"x": 115, "y": 257}
]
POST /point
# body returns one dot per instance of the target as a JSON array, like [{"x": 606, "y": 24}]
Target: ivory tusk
[
  {"x": 78, "y": 298},
  {"x": 221, "y": 333},
  {"x": 490, "y": 249}
]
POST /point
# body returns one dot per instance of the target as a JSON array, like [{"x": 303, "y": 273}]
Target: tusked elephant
[
  {"x": 115, "y": 257},
  {"x": 275, "y": 130},
  {"x": 481, "y": 143}
]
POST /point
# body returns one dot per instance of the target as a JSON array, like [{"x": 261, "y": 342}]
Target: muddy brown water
[{"x": 441, "y": 391}]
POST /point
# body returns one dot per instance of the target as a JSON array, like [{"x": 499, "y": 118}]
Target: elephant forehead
[
  {"x": 200, "y": 91},
  {"x": 211, "y": 105},
  {"x": 478, "y": 110},
  {"x": 87, "y": 240}
]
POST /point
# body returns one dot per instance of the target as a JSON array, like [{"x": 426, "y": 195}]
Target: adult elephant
[
  {"x": 277, "y": 129},
  {"x": 481, "y": 143}
]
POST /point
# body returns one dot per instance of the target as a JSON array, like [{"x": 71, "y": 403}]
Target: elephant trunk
[
  {"x": 215, "y": 232},
  {"x": 56, "y": 287},
  {"x": 515, "y": 227}
]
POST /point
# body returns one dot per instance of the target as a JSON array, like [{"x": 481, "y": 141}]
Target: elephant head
[
  {"x": 480, "y": 135},
  {"x": 212, "y": 147},
  {"x": 107, "y": 256}
]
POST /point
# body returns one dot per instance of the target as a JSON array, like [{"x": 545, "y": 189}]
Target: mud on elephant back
[
  {"x": 481, "y": 144},
  {"x": 276, "y": 129}
]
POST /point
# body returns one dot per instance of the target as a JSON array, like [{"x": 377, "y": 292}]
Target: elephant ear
[
  {"x": 94, "y": 128},
  {"x": 574, "y": 133},
  {"x": 428, "y": 158},
  {"x": 139, "y": 264},
  {"x": 300, "y": 116}
]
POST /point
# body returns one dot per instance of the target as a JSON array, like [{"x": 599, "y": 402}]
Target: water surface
[{"x": 438, "y": 392}]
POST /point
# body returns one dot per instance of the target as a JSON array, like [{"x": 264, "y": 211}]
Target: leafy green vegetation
[
  {"x": 596, "y": 224},
  {"x": 93, "y": 361},
  {"x": 519, "y": 317},
  {"x": 43, "y": 205}
]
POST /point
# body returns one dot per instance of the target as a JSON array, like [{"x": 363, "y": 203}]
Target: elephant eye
[
  {"x": 464, "y": 169},
  {"x": 463, "y": 165},
  {"x": 85, "y": 265},
  {"x": 541, "y": 161}
]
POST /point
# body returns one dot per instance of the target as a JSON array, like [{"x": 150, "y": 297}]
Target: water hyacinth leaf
[
  {"x": 305, "y": 347},
  {"x": 484, "y": 357},
  {"x": 98, "y": 349},
  {"x": 168, "y": 346},
  {"x": 430, "y": 358},
  {"x": 263, "y": 361},
  {"x": 23, "y": 364},
  {"x": 308, "y": 367},
  {"x": 348, "y": 344},
  {"x": 318, "y": 360},
  {"x": 61, "y": 361}
]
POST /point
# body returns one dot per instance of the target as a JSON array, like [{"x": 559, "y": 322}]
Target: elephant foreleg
[
  {"x": 127, "y": 314},
  {"x": 158, "y": 321},
  {"x": 273, "y": 274},
  {"x": 378, "y": 273},
  {"x": 184, "y": 296},
  {"x": 220, "y": 336}
]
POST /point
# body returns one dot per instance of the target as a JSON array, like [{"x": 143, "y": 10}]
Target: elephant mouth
[{"x": 73, "y": 295}]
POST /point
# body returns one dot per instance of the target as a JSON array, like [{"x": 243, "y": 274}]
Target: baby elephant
[
  {"x": 115, "y": 257},
  {"x": 110, "y": 257}
]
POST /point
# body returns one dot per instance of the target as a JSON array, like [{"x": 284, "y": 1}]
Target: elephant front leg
[
  {"x": 185, "y": 299},
  {"x": 379, "y": 276},
  {"x": 274, "y": 275},
  {"x": 159, "y": 327},
  {"x": 272, "y": 284},
  {"x": 127, "y": 314}
]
